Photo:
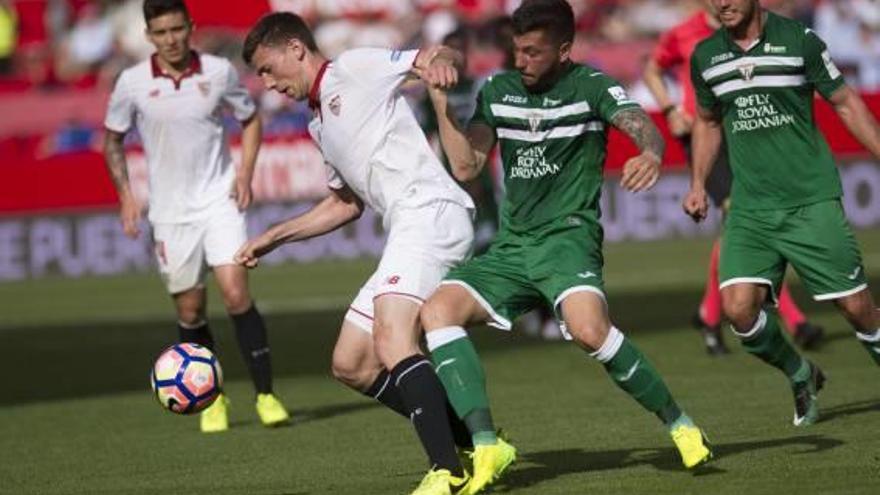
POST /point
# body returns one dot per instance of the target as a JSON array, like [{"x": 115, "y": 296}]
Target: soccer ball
[{"x": 186, "y": 378}]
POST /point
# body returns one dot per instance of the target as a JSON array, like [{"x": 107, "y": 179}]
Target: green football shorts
[
  {"x": 815, "y": 239},
  {"x": 520, "y": 272}
]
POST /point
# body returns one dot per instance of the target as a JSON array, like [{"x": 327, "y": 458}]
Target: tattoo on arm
[
  {"x": 114, "y": 155},
  {"x": 639, "y": 127}
]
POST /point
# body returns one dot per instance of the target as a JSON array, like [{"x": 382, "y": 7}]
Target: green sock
[
  {"x": 459, "y": 368},
  {"x": 635, "y": 375},
  {"x": 871, "y": 343},
  {"x": 766, "y": 342}
]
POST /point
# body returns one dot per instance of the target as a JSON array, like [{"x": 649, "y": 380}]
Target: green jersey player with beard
[
  {"x": 551, "y": 118},
  {"x": 755, "y": 79}
]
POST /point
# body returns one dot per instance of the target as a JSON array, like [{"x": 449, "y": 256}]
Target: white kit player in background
[
  {"x": 197, "y": 197},
  {"x": 376, "y": 154}
]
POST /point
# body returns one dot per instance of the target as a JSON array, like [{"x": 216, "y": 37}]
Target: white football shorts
[
  {"x": 185, "y": 251},
  {"x": 423, "y": 244}
]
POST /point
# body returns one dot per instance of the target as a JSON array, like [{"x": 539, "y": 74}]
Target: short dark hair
[
  {"x": 157, "y": 8},
  {"x": 277, "y": 29},
  {"x": 554, "y": 17}
]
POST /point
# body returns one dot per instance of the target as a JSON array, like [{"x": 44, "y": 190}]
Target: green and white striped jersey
[
  {"x": 552, "y": 143},
  {"x": 764, "y": 96}
]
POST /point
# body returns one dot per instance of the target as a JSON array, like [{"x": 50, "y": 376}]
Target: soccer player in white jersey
[
  {"x": 197, "y": 198},
  {"x": 377, "y": 155}
]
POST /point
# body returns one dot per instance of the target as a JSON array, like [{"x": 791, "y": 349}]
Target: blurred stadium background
[{"x": 82, "y": 312}]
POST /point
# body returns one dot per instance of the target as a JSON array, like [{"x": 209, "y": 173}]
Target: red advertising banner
[{"x": 289, "y": 169}]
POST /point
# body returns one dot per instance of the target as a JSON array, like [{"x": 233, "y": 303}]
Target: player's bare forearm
[
  {"x": 636, "y": 124},
  {"x": 465, "y": 158},
  {"x": 251, "y": 137},
  {"x": 114, "y": 159},
  {"x": 857, "y": 118},
  {"x": 705, "y": 145},
  {"x": 334, "y": 211},
  {"x": 653, "y": 77}
]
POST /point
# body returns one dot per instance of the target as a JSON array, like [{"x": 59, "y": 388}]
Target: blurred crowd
[{"x": 81, "y": 45}]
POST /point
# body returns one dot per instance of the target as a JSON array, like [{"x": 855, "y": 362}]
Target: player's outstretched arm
[
  {"x": 114, "y": 159},
  {"x": 334, "y": 211},
  {"x": 857, "y": 118},
  {"x": 705, "y": 144},
  {"x": 641, "y": 171},
  {"x": 467, "y": 151},
  {"x": 251, "y": 137}
]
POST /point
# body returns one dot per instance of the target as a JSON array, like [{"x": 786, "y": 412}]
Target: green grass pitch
[{"x": 77, "y": 416}]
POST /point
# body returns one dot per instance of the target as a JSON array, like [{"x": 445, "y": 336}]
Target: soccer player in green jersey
[
  {"x": 754, "y": 80},
  {"x": 550, "y": 117}
]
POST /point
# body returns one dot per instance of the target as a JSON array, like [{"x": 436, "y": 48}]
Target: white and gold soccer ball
[{"x": 186, "y": 378}]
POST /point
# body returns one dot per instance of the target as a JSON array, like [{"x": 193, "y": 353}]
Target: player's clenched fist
[
  {"x": 249, "y": 254},
  {"x": 696, "y": 204}
]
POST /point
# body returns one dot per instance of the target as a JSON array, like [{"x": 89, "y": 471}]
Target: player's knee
[
  {"x": 347, "y": 370},
  {"x": 432, "y": 315},
  {"x": 237, "y": 300},
  {"x": 590, "y": 335},
  {"x": 741, "y": 309},
  {"x": 857, "y": 309}
]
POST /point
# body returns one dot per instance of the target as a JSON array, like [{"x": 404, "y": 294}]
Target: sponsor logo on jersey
[
  {"x": 756, "y": 111},
  {"x": 395, "y": 55},
  {"x": 335, "y": 105},
  {"x": 514, "y": 99},
  {"x": 550, "y": 102},
  {"x": 204, "y": 87},
  {"x": 393, "y": 280},
  {"x": 833, "y": 71},
  {"x": 768, "y": 48},
  {"x": 154, "y": 93},
  {"x": 721, "y": 58},
  {"x": 619, "y": 94},
  {"x": 747, "y": 71},
  {"x": 586, "y": 274},
  {"x": 531, "y": 163}
]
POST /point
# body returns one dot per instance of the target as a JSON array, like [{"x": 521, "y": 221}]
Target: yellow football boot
[
  {"x": 692, "y": 446},
  {"x": 490, "y": 461},
  {"x": 271, "y": 410},
  {"x": 215, "y": 418},
  {"x": 441, "y": 482}
]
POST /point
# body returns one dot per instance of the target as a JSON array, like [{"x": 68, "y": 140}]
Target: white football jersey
[
  {"x": 181, "y": 126},
  {"x": 369, "y": 136}
]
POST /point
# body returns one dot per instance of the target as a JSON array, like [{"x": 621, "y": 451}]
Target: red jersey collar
[
  {"x": 194, "y": 67},
  {"x": 314, "y": 91}
]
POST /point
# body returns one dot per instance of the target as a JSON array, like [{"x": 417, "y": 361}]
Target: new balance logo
[
  {"x": 586, "y": 274},
  {"x": 443, "y": 363},
  {"x": 629, "y": 374},
  {"x": 855, "y": 273}
]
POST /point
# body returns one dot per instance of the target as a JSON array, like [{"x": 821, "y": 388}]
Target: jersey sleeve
[
  {"x": 121, "y": 108},
  {"x": 237, "y": 97},
  {"x": 610, "y": 97},
  {"x": 820, "y": 69},
  {"x": 378, "y": 64},
  {"x": 705, "y": 97},
  {"x": 482, "y": 111},
  {"x": 334, "y": 180},
  {"x": 666, "y": 53}
]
